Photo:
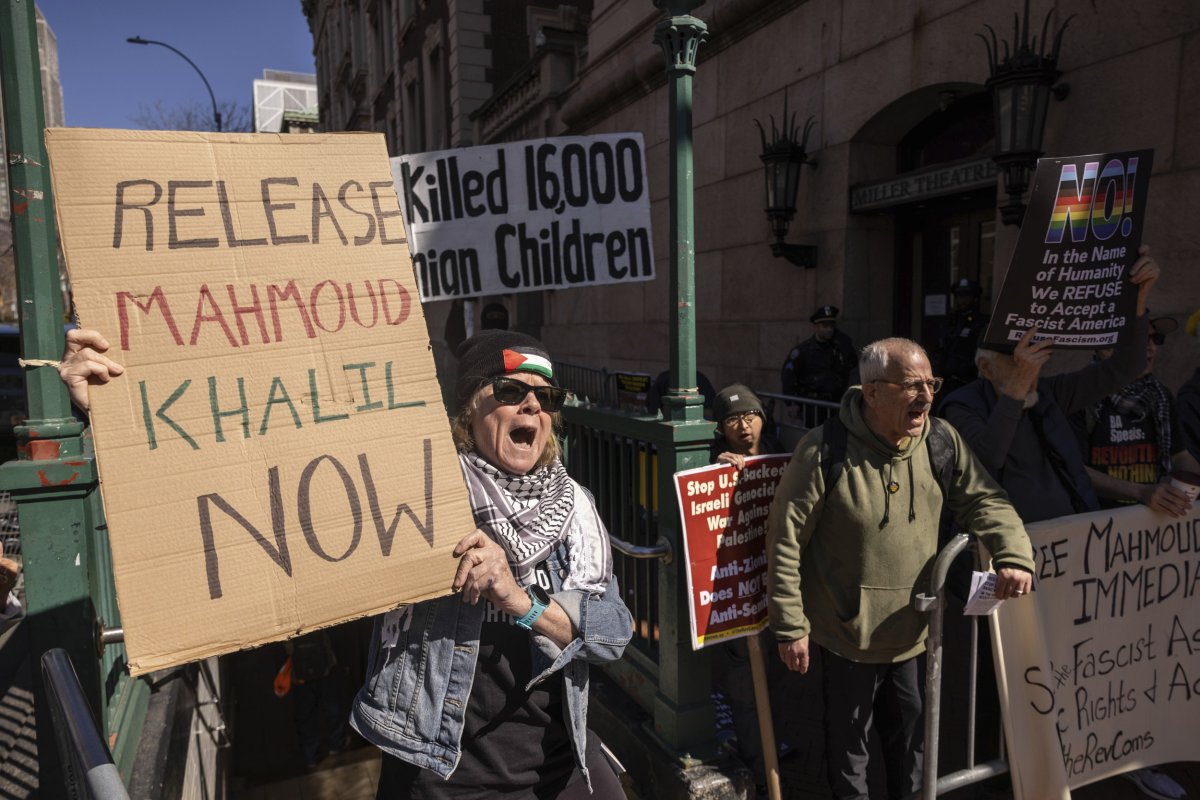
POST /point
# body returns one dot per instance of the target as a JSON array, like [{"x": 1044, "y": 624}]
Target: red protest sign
[{"x": 724, "y": 515}]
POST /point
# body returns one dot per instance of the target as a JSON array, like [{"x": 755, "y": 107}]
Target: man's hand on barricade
[
  {"x": 735, "y": 460},
  {"x": 83, "y": 363},
  {"x": 1018, "y": 375},
  {"x": 1165, "y": 498},
  {"x": 1012, "y": 582},
  {"x": 795, "y": 654},
  {"x": 1144, "y": 274}
]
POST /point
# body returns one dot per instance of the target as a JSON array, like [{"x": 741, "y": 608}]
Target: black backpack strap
[
  {"x": 942, "y": 456},
  {"x": 833, "y": 452}
]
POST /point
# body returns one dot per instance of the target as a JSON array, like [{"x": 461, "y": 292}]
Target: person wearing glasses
[
  {"x": 741, "y": 427},
  {"x": 1132, "y": 440},
  {"x": 484, "y": 692},
  {"x": 852, "y": 536},
  {"x": 740, "y": 433},
  {"x": 1018, "y": 422}
]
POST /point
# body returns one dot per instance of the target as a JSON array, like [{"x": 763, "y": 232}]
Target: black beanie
[
  {"x": 735, "y": 399},
  {"x": 494, "y": 352}
]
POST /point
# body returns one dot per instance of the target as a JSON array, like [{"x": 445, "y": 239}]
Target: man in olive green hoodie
[{"x": 846, "y": 564}]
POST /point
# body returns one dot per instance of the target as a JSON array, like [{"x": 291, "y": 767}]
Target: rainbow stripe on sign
[
  {"x": 1103, "y": 199},
  {"x": 527, "y": 362}
]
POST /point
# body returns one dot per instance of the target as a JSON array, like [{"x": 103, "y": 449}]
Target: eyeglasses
[
  {"x": 738, "y": 420},
  {"x": 913, "y": 388},
  {"x": 511, "y": 392},
  {"x": 1158, "y": 338}
]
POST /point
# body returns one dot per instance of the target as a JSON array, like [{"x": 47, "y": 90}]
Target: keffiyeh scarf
[{"x": 529, "y": 515}]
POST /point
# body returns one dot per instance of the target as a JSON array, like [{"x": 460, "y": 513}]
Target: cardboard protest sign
[
  {"x": 1100, "y": 666},
  {"x": 724, "y": 516},
  {"x": 276, "y": 456},
  {"x": 525, "y": 216},
  {"x": 1069, "y": 274}
]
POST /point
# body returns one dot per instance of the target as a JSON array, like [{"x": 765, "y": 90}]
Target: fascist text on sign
[
  {"x": 276, "y": 456},
  {"x": 525, "y": 216},
  {"x": 1100, "y": 665},
  {"x": 724, "y": 515},
  {"x": 1069, "y": 275}
]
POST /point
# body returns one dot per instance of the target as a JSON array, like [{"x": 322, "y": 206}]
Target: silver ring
[{"x": 1018, "y": 593}]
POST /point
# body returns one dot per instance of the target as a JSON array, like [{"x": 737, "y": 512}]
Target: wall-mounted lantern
[
  {"x": 783, "y": 157},
  {"x": 1021, "y": 84}
]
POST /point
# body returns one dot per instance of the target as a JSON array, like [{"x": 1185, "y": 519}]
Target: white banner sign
[
  {"x": 525, "y": 216},
  {"x": 1100, "y": 666}
]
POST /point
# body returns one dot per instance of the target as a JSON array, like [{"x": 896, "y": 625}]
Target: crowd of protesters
[{"x": 484, "y": 693}]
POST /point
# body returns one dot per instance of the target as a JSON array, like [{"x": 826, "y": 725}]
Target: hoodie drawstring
[
  {"x": 887, "y": 499},
  {"x": 912, "y": 493},
  {"x": 887, "y": 495}
]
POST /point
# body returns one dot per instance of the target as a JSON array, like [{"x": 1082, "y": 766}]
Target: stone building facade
[
  {"x": 897, "y": 94},
  {"x": 895, "y": 89},
  {"x": 422, "y": 71}
]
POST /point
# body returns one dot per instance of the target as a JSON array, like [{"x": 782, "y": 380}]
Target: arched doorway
[{"x": 940, "y": 197}]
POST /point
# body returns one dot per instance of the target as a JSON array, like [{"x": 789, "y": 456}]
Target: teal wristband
[{"x": 540, "y": 600}]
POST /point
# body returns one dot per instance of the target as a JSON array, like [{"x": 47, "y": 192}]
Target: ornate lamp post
[
  {"x": 211, "y": 96},
  {"x": 783, "y": 157},
  {"x": 1021, "y": 84},
  {"x": 683, "y": 716}
]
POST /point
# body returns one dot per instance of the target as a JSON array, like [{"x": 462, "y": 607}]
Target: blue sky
[{"x": 104, "y": 78}]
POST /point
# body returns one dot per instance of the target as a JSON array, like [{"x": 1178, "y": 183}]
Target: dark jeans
[
  {"x": 860, "y": 696},
  {"x": 319, "y": 710}
]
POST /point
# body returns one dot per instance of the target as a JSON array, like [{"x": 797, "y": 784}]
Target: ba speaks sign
[
  {"x": 276, "y": 456},
  {"x": 1102, "y": 662},
  {"x": 519, "y": 217}
]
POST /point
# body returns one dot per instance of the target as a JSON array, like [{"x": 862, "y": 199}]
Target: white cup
[{"x": 1188, "y": 483}]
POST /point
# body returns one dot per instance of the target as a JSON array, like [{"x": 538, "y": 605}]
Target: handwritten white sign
[{"x": 1100, "y": 666}]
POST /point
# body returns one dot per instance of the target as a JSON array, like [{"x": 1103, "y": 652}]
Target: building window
[
  {"x": 410, "y": 117},
  {"x": 435, "y": 99}
]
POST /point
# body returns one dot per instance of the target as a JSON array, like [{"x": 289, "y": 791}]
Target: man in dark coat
[
  {"x": 954, "y": 358},
  {"x": 819, "y": 367}
]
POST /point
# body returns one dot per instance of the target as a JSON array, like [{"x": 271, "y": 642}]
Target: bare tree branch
[{"x": 197, "y": 116}]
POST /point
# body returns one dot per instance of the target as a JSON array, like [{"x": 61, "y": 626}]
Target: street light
[
  {"x": 211, "y": 96},
  {"x": 783, "y": 157},
  {"x": 1021, "y": 85}
]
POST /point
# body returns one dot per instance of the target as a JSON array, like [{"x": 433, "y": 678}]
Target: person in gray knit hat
[{"x": 740, "y": 427}]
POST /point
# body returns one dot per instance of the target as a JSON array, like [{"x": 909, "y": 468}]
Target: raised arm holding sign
[{"x": 1073, "y": 271}]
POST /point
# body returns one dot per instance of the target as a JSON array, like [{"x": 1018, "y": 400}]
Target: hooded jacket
[{"x": 845, "y": 566}]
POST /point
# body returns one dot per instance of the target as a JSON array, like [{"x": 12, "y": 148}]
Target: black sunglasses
[{"x": 510, "y": 392}]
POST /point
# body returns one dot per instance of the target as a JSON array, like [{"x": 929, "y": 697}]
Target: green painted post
[
  {"x": 683, "y": 713},
  {"x": 53, "y": 482}
]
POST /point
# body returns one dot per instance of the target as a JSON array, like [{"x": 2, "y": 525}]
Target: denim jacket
[{"x": 422, "y": 666}]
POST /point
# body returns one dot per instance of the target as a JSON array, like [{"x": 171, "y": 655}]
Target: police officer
[
  {"x": 954, "y": 358},
  {"x": 819, "y": 367}
]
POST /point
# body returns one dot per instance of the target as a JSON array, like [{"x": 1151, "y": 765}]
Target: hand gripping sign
[{"x": 276, "y": 456}]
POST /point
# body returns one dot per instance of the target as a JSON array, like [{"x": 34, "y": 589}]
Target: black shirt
[{"x": 514, "y": 742}]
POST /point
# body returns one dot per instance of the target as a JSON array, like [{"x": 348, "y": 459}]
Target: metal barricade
[
  {"x": 88, "y": 768},
  {"x": 791, "y": 417},
  {"x": 934, "y": 604}
]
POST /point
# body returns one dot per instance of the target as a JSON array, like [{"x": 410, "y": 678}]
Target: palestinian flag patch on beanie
[{"x": 515, "y": 361}]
